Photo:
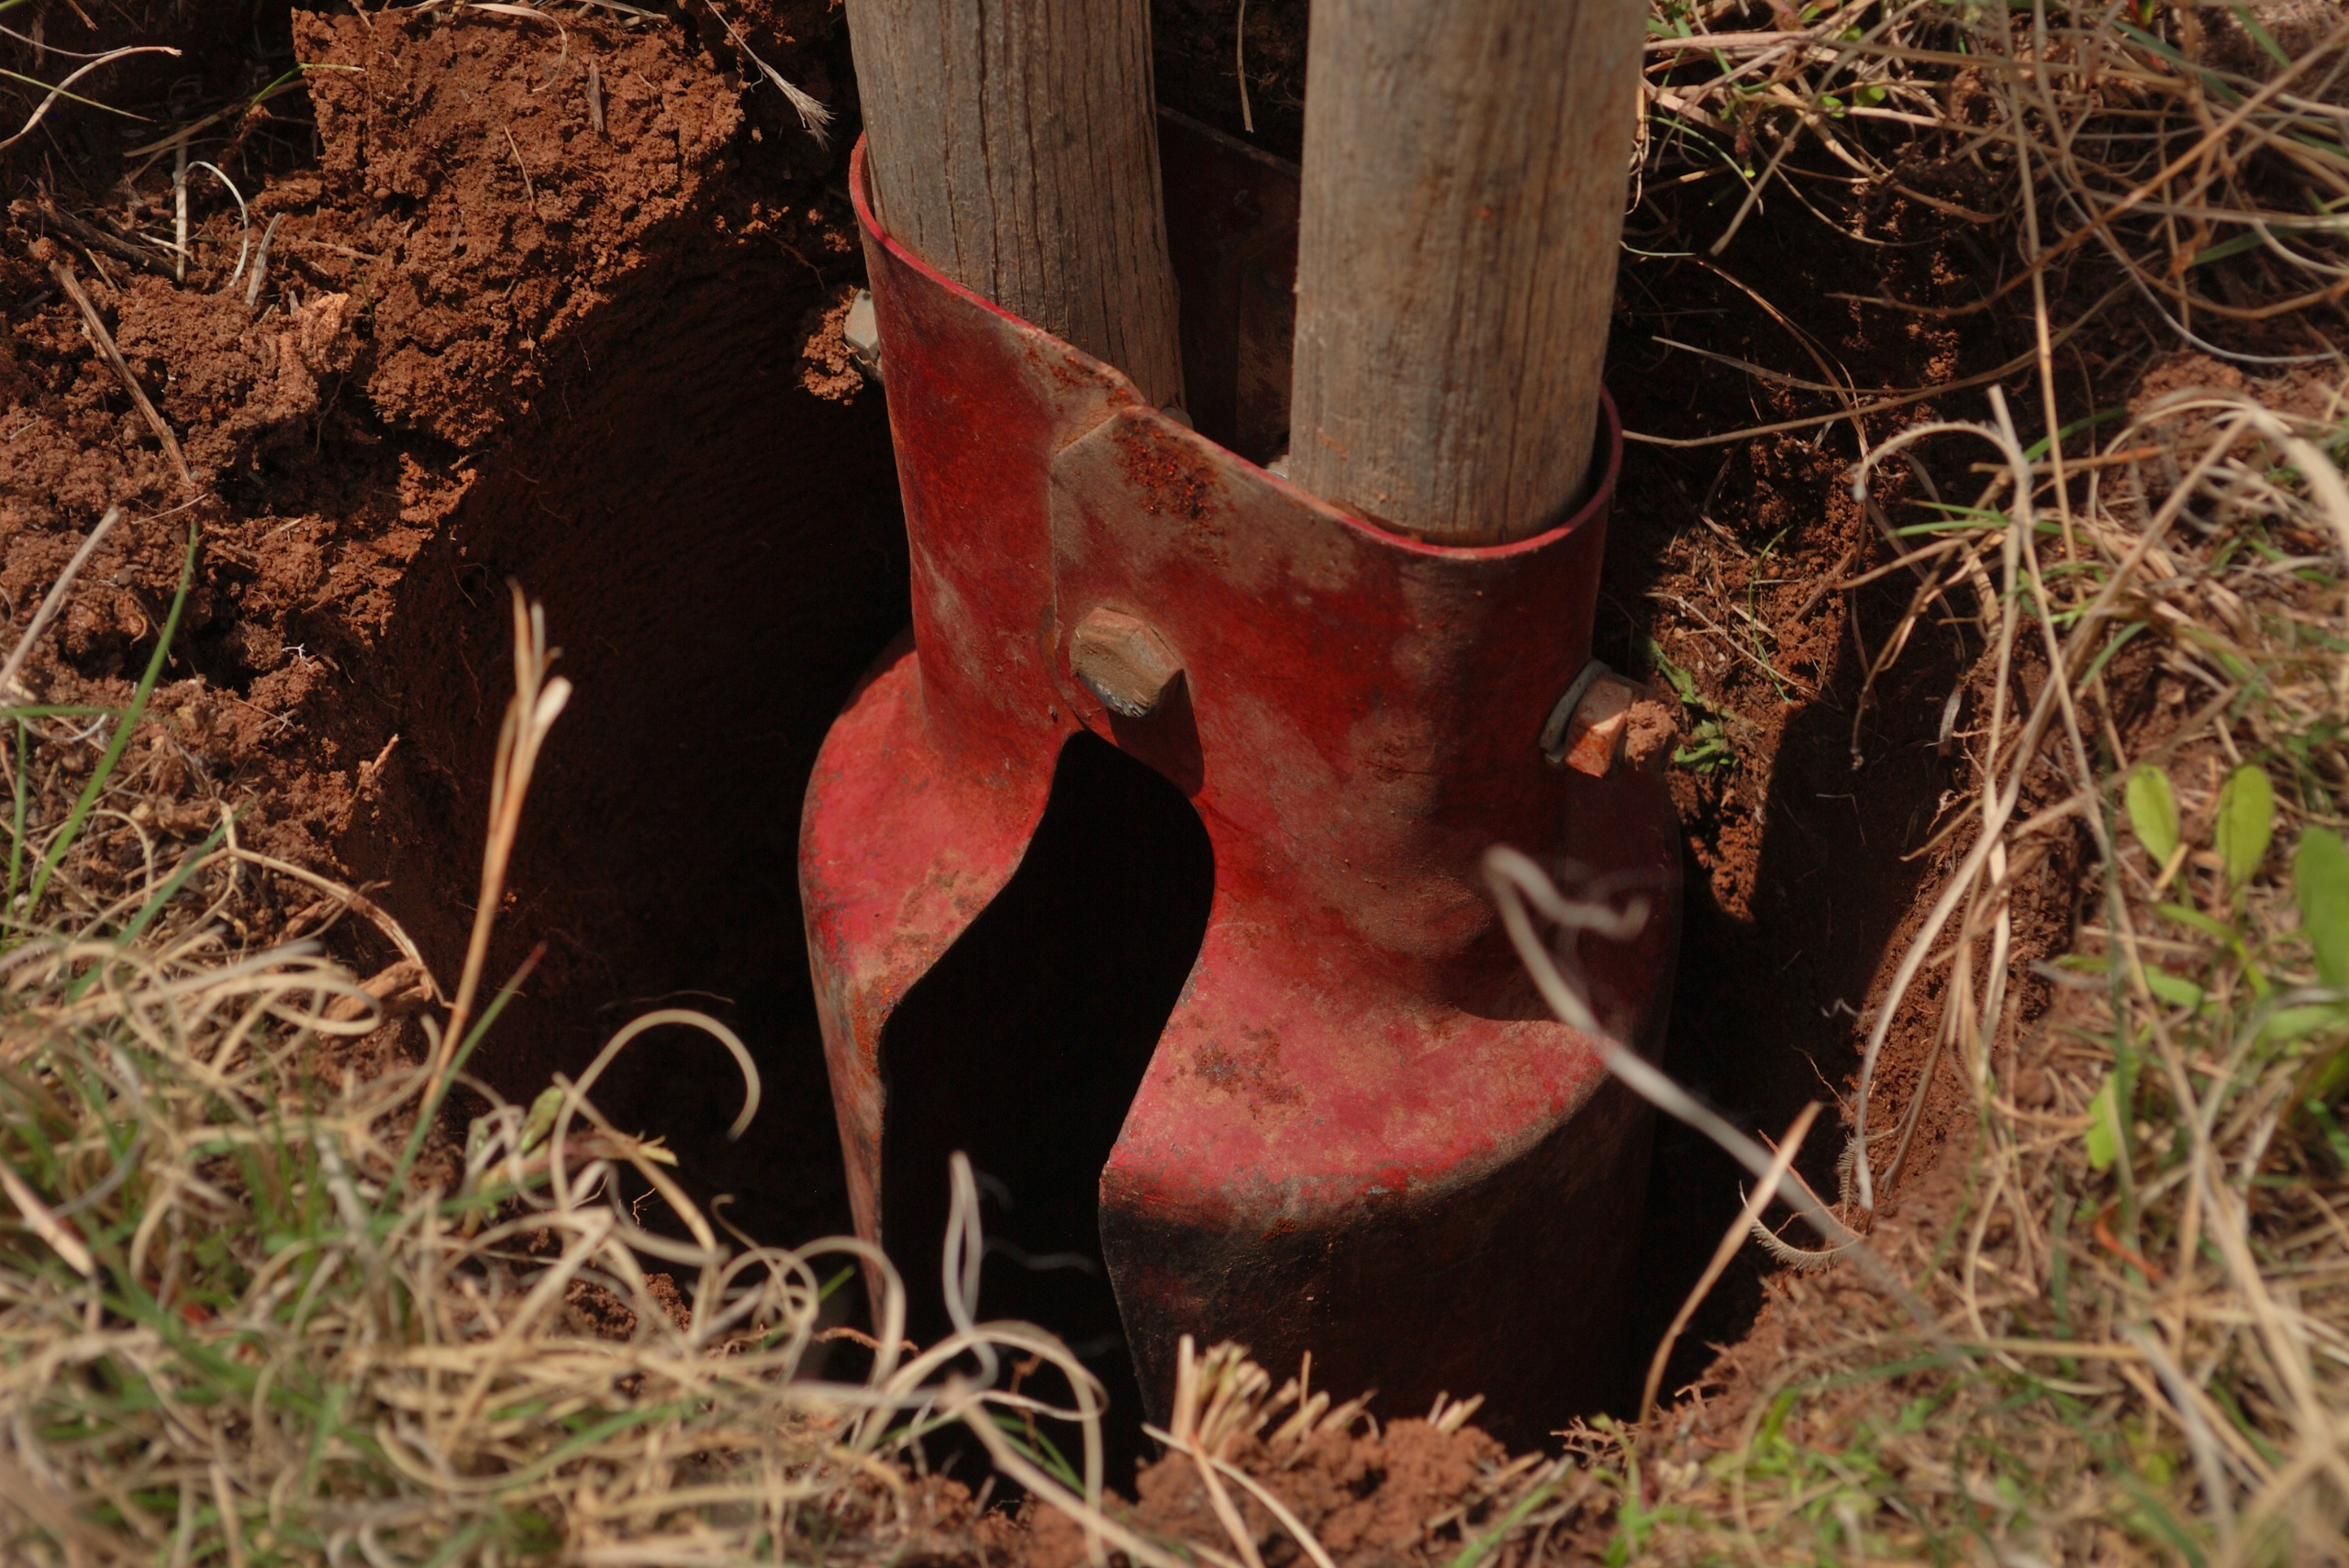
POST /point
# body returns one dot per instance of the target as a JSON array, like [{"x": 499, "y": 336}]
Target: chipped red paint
[{"x": 1360, "y": 1134}]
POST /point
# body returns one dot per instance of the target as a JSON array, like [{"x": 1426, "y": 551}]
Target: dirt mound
[
  {"x": 1367, "y": 1496},
  {"x": 490, "y": 187}
]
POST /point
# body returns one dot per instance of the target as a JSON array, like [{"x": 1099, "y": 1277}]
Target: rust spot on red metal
[
  {"x": 1166, "y": 476},
  {"x": 1068, "y": 370},
  {"x": 1250, "y": 1070}
]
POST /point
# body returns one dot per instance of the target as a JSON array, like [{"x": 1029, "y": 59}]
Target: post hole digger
[{"x": 1278, "y": 1029}]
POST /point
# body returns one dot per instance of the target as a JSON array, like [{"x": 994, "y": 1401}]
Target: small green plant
[
  {"x": 1708, "y": 749},
  {"x": 2258, "y": 977},
  {"x": 2153, "y": 815}
]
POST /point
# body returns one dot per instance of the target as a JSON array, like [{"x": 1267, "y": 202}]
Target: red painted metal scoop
[{"x": 1357, "y": 1132}]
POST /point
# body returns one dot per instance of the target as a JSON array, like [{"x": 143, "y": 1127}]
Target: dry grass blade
[
  {"x": 814, "y": 117},
  {"x": 113, "y": 356},
  {"x": 260, "y": 261},
  {"x": 1215, "y": 1403},
  {"x": 62, "y": 90},
  {"x": 51, "y": 602},
  {"x": 1764, "y": 1192},
  {"x": 89, "y": 235},
  {"x": 1516, "y": 881},
  {"x": 529, "y": 714},
  {"x": 244, "y": 221}
]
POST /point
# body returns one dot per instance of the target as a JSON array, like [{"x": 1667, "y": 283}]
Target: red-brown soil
[
  {"x": 1367, "y": 1495},
  {"x": 494, "y": 341},
  {"x": 497, "y": 341}
]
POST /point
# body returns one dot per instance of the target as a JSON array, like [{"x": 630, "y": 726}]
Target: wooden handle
[
  {"x": 1013, "y": 144},
  {"x": 1465, "y": 170}
]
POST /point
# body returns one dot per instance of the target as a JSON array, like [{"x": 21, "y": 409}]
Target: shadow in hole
[
  {"x": 1763, "y": 1010},
  {"x": 720, "y": 555},
  {"x": 1023, "y": 1048}
]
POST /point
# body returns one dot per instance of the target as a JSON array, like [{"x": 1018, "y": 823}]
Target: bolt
[
  {"x": 1123, "y": 661},
  {"x": 861, "y": 332},
  {"x": 1592, "y": 742}
]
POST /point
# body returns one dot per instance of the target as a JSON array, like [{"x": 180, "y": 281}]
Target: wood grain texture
[
  {"x": 1464, "y": 172},
  {"x": 1013, "y": 144}
]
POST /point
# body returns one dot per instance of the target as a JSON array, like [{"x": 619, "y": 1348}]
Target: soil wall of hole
[{"x": 720, "y": 555}]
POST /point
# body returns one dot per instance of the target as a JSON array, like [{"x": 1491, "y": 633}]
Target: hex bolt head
[
  {"x": 862, "y": 331},
  {"x": 1594, "y": 738},
  {"x": 1123, "y": 661}
]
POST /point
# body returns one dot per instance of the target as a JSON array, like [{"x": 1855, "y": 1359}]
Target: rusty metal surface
[{"x": 1358, "y": 1134}]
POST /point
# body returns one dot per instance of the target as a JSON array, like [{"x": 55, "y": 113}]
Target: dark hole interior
[
  {"x": 1023, "y": 1047},
  {"x": 719, "y": 554}
]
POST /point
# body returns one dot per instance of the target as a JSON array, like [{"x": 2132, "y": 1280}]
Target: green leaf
[
  {"x": 1682, "y": 684},
  {"x": 2104, "y": 1124},
  {"x": 2152, "y": 812},
  {"x": 2037, "y": 449},
  {"x": 2321, "y": 1114},
  {"x": 2333, "y": 1072},
  {"x": 171, "y": 888},
  {"x": 2289, "y": 1024},
  {"x": 2195, "y": 919},
  {"x": 2177, "y": 992},
  {"x": 540, "y": 1121},
  {"x": 2246, "y": 822},
  {"x": 1709, "y": 752},
  {"x": 2320, "y": 886},
  {"x": 2226, "y": 247},
  {"x": 2265, "y": 38}
]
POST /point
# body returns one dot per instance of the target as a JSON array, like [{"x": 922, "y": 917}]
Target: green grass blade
[
  {"x": 178, "y": 879},
  {"x": 426, "y": 1115},
  {"x": 123, "y": 732},
  {"x": 17, "y": 833}
]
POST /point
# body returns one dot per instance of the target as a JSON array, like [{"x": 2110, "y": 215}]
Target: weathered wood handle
[
  {"x": 1013, "y": 144},
  {"x": 1464, "y": 172}
]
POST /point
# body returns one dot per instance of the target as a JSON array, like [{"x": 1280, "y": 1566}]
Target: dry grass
[
  {"x": 2170, "y": 140},
  {"x": 2135, "y": 1334},
  {"x": 2186, "y": 158},
  {"x": 258, "y": 1308},
  {"x": 235, "y": 1330}
]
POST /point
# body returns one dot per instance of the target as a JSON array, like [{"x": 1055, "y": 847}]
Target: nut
[{"x": 1123, "y": 661}]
